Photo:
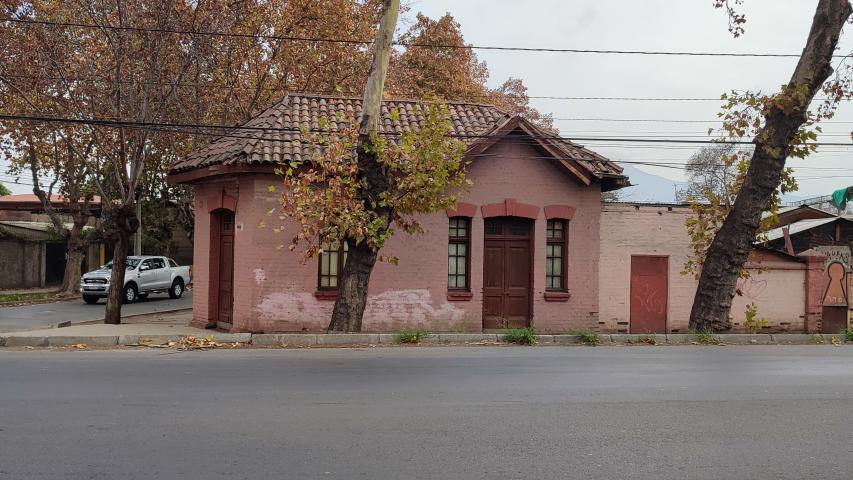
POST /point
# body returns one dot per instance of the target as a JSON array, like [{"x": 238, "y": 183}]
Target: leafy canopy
[{"x": 424, "y": 170}]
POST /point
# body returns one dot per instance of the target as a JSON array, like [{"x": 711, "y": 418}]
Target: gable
[{"x": 277, "y": 135}]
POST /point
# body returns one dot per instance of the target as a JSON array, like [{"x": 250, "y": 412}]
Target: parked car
[{"x": 144, "y": 275}]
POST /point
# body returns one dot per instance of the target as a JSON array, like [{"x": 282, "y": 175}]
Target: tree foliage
[
  {"x": 424, "y": 167},
  {"x": 780, "y": 125},
  {"x": 715, "y": 176}
]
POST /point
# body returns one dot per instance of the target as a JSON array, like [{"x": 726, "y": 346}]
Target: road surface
[
  {"x": 45, "y": 315},
  {"x": 753, "y": 412}
]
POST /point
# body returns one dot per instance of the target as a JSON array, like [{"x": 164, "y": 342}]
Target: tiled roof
[
  {"x": 31, "y": 198},
  {"x": 284, "y": 142}
]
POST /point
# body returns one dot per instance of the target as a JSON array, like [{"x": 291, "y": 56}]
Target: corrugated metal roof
[{"x": 796, "y": 227}]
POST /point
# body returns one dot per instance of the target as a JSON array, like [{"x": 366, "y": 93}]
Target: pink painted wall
[
  {"x": 274, "y": 289},
  {"x": 777, "y": 286}
]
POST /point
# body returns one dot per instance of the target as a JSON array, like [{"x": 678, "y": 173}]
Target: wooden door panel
[
  {"x": 834, "y": 320},
  {"x": 506, "y": 274},
  {"x": 649, "y": 294},
  {"x": 226, "y": 278}
]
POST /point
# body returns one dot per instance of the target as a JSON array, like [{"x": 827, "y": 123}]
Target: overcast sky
[{"x": 773, "y": 26}]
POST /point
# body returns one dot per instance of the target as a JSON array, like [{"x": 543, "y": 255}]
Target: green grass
[
  {"x": 520, "y": 336},
  {"x": 411, "y": 336},
  {"x": 24, "y": 297},
  {"x": 848, "y": 335},
  {"x": 588, "y": 337}
]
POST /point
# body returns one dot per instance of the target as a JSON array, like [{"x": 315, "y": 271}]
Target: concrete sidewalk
[{"x": 168, "y": 330}]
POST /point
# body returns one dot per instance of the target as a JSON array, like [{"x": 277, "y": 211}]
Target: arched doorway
[
  {"x": 507, "y": 272},
  {"x": 222, "y": 267}
]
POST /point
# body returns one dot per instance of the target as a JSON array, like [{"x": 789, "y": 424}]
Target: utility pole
[
  {"x": 137, "y": 199},
  {"x": 137, "y": 238}
]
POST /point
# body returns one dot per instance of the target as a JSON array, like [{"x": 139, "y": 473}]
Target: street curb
[
  {"x": 125, "y": 317},
  {"x": 362, "y": 339}
]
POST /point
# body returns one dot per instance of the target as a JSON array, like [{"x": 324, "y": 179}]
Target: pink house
[{"x": 521, "y": 248}]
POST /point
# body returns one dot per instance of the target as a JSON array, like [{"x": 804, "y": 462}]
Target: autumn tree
[
  {"x": 359, "y": 186},
  {"x": 781, "y": 125},
  {"x": 52, "y": 155},
  {"x": 437, "y": 61}
]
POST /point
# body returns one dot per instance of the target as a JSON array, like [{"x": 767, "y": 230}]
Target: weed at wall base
[
  {"x": 588, "y": 337},
  {"x": 411, "y": 336},
  {"x": 520, "y": 336}
]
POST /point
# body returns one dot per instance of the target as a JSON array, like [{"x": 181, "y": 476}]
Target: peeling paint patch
[
  {"x": 410, "y": 306},
  {"x": 260, "y": 276},
  {"x": 295, "y": 311}
]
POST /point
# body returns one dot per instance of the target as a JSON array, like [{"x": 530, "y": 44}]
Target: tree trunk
[
  {"x": 122, "y": 223},
  {"x": 731, "y": 246},
  {"x": 352, "y": 288},
  {"x": 76, "y": 252},
  {"x": 352, "y": 291}
]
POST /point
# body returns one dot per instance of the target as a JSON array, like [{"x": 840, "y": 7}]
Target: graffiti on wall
[
  {"x": 833, "y": 254},
  {"x": 751, "y": 287}
]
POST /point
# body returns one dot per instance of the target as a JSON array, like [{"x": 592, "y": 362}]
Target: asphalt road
[
  {"x": 754, "y": 412},
  {"x": 45, "y": 315}
]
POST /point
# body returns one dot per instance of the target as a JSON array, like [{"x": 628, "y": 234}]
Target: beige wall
[{"x": 777, "y": 288}]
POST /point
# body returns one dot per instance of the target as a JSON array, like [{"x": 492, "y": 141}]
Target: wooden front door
[
  {"x": 648, "y": 294},
  {"x": 226, "y": 267},
  {"x": 834, "y": 320},
  {"x": 506, "y": 273}
]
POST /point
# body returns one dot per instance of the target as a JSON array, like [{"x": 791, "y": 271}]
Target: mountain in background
[{"x": 648, "y": 187}]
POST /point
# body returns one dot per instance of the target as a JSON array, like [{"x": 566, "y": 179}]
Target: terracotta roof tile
[{"x": 283, "y": 142}]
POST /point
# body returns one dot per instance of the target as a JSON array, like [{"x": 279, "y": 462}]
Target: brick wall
[
  {"x": 275, "y": 290},
  {"x": 776, "y": 285}
]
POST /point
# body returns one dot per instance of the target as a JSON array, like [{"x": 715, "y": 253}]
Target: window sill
[
  {"x": 557, "y": 296},
  {"x": 326, "y": 294},
  {"x": 459, "y": 296}
]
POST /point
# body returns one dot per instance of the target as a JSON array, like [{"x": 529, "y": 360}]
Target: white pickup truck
[{"x": 144, "y": 275}]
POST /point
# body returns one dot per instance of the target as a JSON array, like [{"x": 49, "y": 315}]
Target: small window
[
  {"x": 331, "y": 265},
  {"x": 172, "y": 263},
  {"x": 458, "y": 253},
  {"x": 556, "y": 255},
  {"x": 227, "y": 222}
]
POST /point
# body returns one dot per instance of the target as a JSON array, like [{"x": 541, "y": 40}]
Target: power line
[
  {"x": 398, "y": 43},
  {"x": 282, "y": 90},
  {"x": 655, "y": 120},
  {"x": 225, "y": 129}
]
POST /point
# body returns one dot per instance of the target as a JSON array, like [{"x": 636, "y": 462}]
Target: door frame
[
  {"x": 214, "y": 261},
  {"x": 531, "y": 247},
  {"x": 631, "y": 290}
]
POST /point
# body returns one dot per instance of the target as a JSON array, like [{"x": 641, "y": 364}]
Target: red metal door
[
  {"x": 506, "y": 273},
  {"x": 648, "y": 294},
  {"x": 226, "y": 267}
]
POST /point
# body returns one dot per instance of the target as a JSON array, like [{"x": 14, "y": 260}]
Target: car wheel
[
  {"x": 90, "y": 299},
  {"x": 177, "y": 289},
  {"x": 130, "y": 294}
]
